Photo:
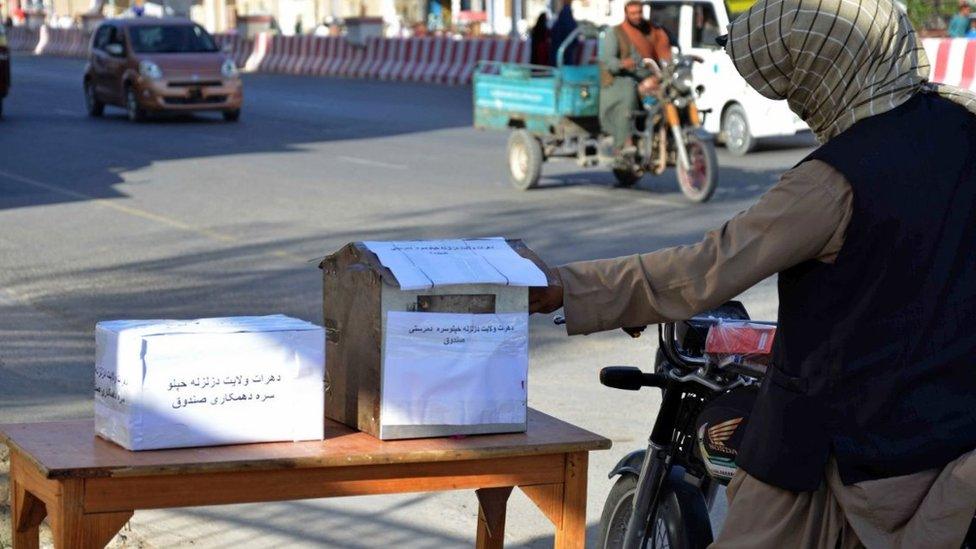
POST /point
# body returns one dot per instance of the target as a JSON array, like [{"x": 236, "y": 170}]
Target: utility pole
[{"x": 516, "y": 17}]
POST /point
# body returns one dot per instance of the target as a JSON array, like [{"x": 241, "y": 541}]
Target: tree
[
  {"x": 919, "y": 11},
  {"x": 922, "y": 12}
]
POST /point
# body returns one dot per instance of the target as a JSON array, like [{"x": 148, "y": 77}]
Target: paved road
[{"x": 190, "y": 217}]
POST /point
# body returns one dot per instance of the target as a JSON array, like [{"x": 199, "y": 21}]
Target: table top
[{"x": 70, "y": 449}]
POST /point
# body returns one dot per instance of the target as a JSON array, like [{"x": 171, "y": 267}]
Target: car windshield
[{"x": 171, "y": 39}]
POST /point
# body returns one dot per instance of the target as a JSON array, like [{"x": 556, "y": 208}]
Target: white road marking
[{"x": 374, "y": 163}]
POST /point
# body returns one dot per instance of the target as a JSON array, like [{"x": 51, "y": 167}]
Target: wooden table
[{"x": 88, "y": 488}]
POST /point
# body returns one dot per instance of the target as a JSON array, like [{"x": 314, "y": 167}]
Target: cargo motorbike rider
[
  {"x": 864, "y": 430},
  {"x": 622, "y": 51}
]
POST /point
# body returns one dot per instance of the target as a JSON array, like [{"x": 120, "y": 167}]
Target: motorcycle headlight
[
  {"x": 150, "y": 70},
  {"x": 683, "y": 81},
  {"x": 228, "y": 69}
]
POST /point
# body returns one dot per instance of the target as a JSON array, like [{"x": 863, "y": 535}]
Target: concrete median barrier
[
  {"x": 953, "y": 61},
  {"x": 22, "y": 38},
  {"x": 62, "y": 42},
  {"x": 435, "y": 60}
]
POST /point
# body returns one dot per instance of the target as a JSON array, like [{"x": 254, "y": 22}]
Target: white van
[{"x": 739, "y": 115}]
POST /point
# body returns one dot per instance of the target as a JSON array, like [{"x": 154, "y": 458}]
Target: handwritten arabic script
[
  {"x": 454, "y": 331},
  {"x": 203, "y": 389},
  {"x": 107, "y": 384}
]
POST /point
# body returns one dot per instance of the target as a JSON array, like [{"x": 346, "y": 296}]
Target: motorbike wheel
[
  {"x": 698, "y": 184},
  {"x": 677, "y": 523},
  {"x": 524, "y": 160},
  {"x": 627, "y": 177}
]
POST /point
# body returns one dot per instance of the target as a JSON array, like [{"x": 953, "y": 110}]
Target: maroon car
[
  {"x": 4, "y": 67},
  {"x": 149, "y": 64}
]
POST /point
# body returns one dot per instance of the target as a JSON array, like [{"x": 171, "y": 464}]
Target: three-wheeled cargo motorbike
[{"x": 553, "y": 112}]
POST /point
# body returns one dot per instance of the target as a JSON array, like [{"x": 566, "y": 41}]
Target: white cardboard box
[{"x": 183, "y": 383}]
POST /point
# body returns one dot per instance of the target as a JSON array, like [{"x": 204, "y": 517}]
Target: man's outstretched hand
[{"x": 549, "y": 298}]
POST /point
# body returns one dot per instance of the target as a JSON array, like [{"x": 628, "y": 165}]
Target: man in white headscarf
[{"x": 864, "y": 431}]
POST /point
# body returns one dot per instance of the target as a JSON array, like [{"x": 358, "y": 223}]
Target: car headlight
[
  {"x": 150, "y": 70},
  {"x": 228, "y": 69}
]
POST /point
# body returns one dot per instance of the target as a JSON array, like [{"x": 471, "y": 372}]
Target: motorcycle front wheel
[
  {"x": 698, "y": 183},
  {"x": 675, "y": 526}
]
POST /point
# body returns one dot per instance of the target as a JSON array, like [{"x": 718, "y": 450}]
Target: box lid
[
  {"x": 235, "y": 324},
  {"x": 421, "y": 264}
]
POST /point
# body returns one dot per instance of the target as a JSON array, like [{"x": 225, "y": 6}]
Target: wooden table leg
[
  {"x": 492, "y": 503},
  {"x": 572, "y": 532},
  {"x": 564, "y": 504},
  {"x": 73, "y": 528},
  {"x": 26, "y": 512}
]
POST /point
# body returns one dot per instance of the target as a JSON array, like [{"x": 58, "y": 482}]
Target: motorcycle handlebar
[{"x": 630, "y": 378}]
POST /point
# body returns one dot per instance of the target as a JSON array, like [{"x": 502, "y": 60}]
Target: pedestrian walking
[
  {"x": 564, "y": 25},
  {"x": 959, "y": 24},
  {"x": 541, "y": 41}
]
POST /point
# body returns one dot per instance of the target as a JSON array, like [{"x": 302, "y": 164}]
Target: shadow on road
[
  {"x": 339, "y": 526},
  {"x": 47, "y": 137}
]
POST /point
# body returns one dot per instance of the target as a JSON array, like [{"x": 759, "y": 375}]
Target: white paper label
[
  {"x": 420, "y": 264},
  {"x": 167, "y": 384},
  {"x": 455, "y": 369}
]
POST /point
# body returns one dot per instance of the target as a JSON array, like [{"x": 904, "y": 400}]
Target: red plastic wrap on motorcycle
[{"x": 740, "y": 345}]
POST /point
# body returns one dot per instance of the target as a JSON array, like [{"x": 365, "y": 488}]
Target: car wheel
[
  {"x": 735, "y": 131},
  {"x": 92, "y": 104},
  {"x": 232, "y": 115},
  {"x": 132, "y": 108}
]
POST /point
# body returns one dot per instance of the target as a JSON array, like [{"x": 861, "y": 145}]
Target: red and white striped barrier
[
  {"x": 275, "y": 54},
  {"x": 324, "y": 50},
  {"x": 416, "y": 50},
  {"x": 481, "y": 50},
  {"x": 22, "y": 38},
  {"x": 372, "y": 55},
  {"x": 62, "y": 42},
  {"x": 286, "y": 52},
  {"x": 453, "y": 61},
  {"x": 438, "y": 60},
  {"x": 237, "y": 45},
  {"x": 953, "y": 61},
  {"x": 341, "y": 50},
  {"x": 441, "y": 55}
]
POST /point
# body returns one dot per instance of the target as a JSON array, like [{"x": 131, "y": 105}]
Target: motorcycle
[
  {"x": 667, "y": 131},
  {"x": 553, "y": 112},
  {"x": 662, "y": 495}
]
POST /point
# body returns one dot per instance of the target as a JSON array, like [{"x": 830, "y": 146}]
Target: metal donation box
[{"x": 428, "y": 338}]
